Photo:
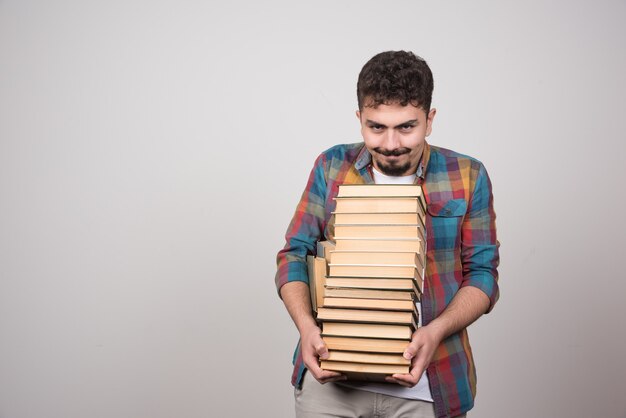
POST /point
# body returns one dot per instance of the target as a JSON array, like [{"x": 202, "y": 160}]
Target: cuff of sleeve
[
  {"x": 291, "y": 272},
  {"x": 485, "y": 282}
]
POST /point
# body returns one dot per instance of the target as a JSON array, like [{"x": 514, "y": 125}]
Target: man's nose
[{"x": 392, "y": 140}]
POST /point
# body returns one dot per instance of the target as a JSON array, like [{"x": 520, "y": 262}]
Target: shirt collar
[{"x": 364, "y": 159}]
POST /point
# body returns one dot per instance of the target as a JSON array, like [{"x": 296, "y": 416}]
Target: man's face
[{"x": 395, "y": 136}]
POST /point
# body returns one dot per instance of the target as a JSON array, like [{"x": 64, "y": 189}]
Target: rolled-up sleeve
[{"x": 479, "y": 244}]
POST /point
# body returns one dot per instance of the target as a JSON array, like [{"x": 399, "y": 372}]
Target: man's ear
[
  {"x": 429, "y": 120},
  {"x": 358, "y": 115}
]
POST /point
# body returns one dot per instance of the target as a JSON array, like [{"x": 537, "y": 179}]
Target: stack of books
[{"x": 366, "y": 302}]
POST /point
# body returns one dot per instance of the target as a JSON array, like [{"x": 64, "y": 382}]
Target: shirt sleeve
[
  {"x": 479, "y": 245},
  {"x": 305, "y": 229}
]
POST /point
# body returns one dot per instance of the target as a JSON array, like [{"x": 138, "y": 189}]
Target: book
[
  {"x": 368, "y": 271},
  {"x": 380, "y": 284},
  {"x": 409, "y": 218},
  {"x": 371, "y": 358},
  {"x": 344, "y": 292},
  {"x": 365, "y": 270},
  {"x": 383, "y": 369},
  {"x": 365, "y": 377},
  {"x": 369, "y": 345},
  {"x": 379, "y": 205},
  {"x": 356, "y": 303},
  {"x": 368, "y": 316},
  {"x": 379, "y": 231},
  {"x": 320, "y": 271},
  {"x": 382, "y": 190},
  {"x": 317, "y": 270},
  {"x": 376, "y": 258},
  {"x": 380, "y": 245},
  {"x": 342, "y": 329},
  {"x": 310, "y": 264},
  {"x": 324, "y": 249}
]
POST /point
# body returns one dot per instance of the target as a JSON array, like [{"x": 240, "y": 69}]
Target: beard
[{"x": 393, "y": 168}]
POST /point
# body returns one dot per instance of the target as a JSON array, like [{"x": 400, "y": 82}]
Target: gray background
[{"x": 152, "y": 154}]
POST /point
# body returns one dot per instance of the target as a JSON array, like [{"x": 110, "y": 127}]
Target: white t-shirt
[{"x": 421, "y": 391}]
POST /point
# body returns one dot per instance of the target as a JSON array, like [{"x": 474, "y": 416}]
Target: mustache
[{"x": 394, "y": 152}]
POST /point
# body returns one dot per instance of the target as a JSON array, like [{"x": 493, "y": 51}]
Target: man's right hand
[
  {"x": 314, "y": 348},
  {"x": 297, "y": 299}
]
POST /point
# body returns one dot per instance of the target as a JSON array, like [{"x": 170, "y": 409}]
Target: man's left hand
[{"x": 420, "y": 351}]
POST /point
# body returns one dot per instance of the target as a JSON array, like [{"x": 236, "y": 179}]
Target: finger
[
  {"x": 311, "y": 361},
  {"x": 417, "y": 368},
  {"x": 319, "y": 373},
  {"x": 412, "y": 349},
  {"x": 321, "y": 350},
  {"x": 412, "y": 377},
  {"x": 313, "y": 366},
  {"x": 405, "y": 380},
  {"x": 325, "y": 376},
  {"x": 339, "y": 378},
  {"x": 391, "y": 379}
]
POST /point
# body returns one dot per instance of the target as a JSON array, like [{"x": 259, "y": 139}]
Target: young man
[{"x": 394, "y": 95}]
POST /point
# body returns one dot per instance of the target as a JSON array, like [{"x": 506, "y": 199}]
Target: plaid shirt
[{"x": 462, "y": 249}]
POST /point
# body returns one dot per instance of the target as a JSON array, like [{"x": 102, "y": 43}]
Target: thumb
[
  {"x": 321, "y": 350},
  {"x": 410, "y": 351}
]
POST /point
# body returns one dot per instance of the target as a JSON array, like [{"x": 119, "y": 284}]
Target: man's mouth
[{"x": 392, "y": 153}]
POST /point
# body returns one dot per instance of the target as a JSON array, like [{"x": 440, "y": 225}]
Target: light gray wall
[{"x": 152, "y": 153}]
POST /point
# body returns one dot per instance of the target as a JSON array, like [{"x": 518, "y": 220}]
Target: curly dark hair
[{"x": 395, "y": 77}]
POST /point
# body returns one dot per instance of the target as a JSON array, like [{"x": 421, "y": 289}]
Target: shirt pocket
[{"x": 446, "y": 218}]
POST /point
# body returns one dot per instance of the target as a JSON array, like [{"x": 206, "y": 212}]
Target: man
[{"x": 394, "y": 93}]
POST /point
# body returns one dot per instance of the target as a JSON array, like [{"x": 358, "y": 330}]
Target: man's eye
[
  {"x": 406, "y": 127},
  {"x": 376, "y": 128}
]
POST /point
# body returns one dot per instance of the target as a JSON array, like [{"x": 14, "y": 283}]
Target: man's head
[
  {"x": 395, "y": 77},
  {"x": 394, "y": 92}
]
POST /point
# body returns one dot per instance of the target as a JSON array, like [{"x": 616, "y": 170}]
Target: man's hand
[
  {"x": 420, "y": 351},
  {"x": 313, "y": 347},
  {"x": 468, "y": 304},
  {"x": 298, "y": 302}
]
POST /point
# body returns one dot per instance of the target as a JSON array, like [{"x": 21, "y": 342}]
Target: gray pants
[{"x": 315, "y": 400}]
